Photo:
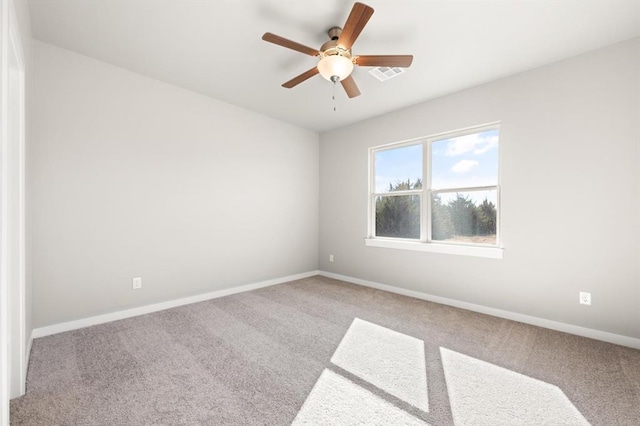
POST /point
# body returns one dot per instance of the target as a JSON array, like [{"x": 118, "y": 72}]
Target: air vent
[{"x": 385, "y": 73}]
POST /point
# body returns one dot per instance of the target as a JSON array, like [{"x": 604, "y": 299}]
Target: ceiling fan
[{"x": 336, "y": 60}]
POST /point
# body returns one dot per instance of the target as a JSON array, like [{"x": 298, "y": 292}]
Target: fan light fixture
[{"x": 335, "y": 67}]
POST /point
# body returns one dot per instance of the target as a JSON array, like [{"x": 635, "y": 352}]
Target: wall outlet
[
  {"x": 585, "y": 298},
  {"x": 330, "y": 258},
  {"x": 137, "y": 283}
]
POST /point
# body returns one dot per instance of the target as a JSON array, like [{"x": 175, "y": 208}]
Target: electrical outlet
[
  {"x": 330, "y": 258},
  {"x": 137, "y": 283},
  {"x": 585, "y": 298}
]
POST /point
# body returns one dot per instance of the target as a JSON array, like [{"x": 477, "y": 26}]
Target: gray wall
[
  {"x": 570, "y": 163},
  {"x": 134, "y": 177}
]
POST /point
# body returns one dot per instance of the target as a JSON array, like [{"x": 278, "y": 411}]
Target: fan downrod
[{"x": 334, "y": 33}]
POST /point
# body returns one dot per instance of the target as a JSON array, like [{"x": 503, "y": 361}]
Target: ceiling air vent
[{"x": 385, "y": 73}]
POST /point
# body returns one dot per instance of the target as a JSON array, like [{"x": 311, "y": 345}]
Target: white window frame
[{"x": 425, "y": 243}]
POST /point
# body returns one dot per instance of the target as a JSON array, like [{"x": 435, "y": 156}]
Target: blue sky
[
  {"x": 470, "y": 160},
  {"x": 398, "y": 165}
]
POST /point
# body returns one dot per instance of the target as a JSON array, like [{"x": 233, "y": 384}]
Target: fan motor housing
[{"x": 331, "y": 47}]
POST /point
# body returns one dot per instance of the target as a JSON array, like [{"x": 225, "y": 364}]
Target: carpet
[
  {"x": 335, "y": 400},
  {"x": 391, "y": 361},
  {"x": 309, "y": 351},
  {"x": 480, "y": 393},
  {"x": 484, "y": 394}
]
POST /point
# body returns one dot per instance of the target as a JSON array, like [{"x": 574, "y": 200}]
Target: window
[
  {"x": 398, "y": 192},
  {"x": 439, "y": 193}
]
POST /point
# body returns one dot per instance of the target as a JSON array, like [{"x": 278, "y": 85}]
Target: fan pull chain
[{"x": 334, "y": 96}]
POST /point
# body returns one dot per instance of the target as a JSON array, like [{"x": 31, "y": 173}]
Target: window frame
[{"x": 425, "y": 242}]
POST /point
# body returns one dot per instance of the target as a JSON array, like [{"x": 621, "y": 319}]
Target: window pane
[
  {"x": 398, "y": 169},
  {"x": 398, "y": 216},
  {"x": 465, "y": 161},
  {"x": 464, "y": 217}
]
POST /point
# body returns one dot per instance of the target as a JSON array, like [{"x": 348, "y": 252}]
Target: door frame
[{"x": 13, "y": 361}]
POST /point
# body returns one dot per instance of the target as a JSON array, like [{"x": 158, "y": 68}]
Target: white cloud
[
  {"x": 490, "y": 143},
  {"x": 464, "y": 166},
  {"x": 468, "y": 143}
]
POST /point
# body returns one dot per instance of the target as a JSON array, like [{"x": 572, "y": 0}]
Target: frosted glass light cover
[{"x": 335, "y": 65}]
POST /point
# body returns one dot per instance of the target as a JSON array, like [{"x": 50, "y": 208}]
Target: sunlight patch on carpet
[
  {"x": 481, "y": 393},
  {"x": 335, "y": 400},
  {"x": 389, "y": 360}
]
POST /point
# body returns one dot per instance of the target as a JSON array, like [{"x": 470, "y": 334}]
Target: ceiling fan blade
[
  {"x": 356, "y": 21},
  {"x": 302, "y": 77},
  {"x": 281, "y": 41},
  {"x": 350, "y": 87},
  {"x": 403, "y": 61}
]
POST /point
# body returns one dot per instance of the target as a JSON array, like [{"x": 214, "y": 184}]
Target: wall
[
  {"x": 570, "y": 164},
  {"x": 135, "y": 177}
]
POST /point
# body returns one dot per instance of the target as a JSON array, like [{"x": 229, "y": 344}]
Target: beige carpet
[{"x": 320, "y": 351}]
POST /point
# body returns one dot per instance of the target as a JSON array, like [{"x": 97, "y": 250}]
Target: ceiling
[{"x": 214, "y": 47}]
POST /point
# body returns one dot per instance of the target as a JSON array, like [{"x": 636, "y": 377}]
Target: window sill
[{"x": 477, "y": 251}]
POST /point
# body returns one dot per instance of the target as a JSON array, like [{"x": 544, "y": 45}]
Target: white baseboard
[
  {"x": 142, "y": 310},
  {"x": 28, "y": 354},
  {"x": 527, "y": 319}
]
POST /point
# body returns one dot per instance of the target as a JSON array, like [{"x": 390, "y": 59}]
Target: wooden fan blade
[
  {"x": 402, "y": 61},
  {"x": 356, "y": 21},
  {"x": 302, "y": 77},
  {"x": 350, "y": 87},
  {"x": 281, "y": 41}
]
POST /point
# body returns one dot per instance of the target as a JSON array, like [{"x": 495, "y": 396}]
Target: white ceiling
[{"x": 214, "y": 47}]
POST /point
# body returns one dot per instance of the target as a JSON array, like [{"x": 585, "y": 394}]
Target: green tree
[
  {"x": 441, "y": 224},
  {"x": 463, "y": 215},
  {"x": 487, "y": 217},
  {"x": 399, "y": 216}
]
